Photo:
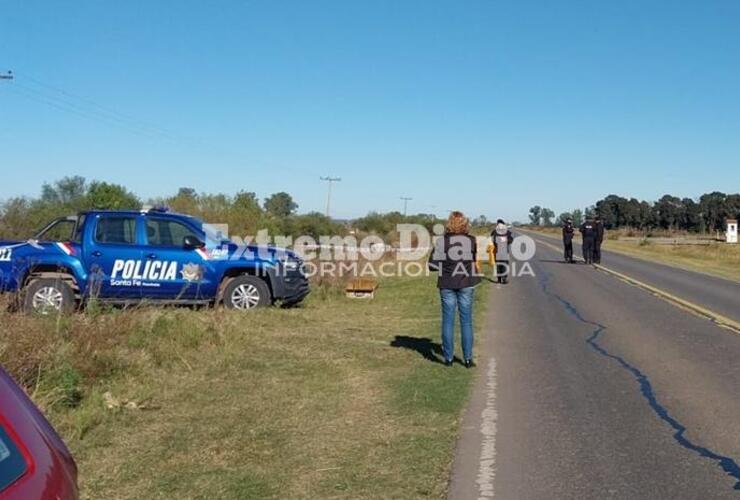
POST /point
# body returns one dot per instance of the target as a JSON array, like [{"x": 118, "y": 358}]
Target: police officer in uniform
[
  {"x": 568, "y": 231},
  {"x": 598, "y": 239},
  {"x": 588, "y": 232}
]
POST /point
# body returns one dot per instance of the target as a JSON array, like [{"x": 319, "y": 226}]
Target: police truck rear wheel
[
  {"x": 247, "y": 292},
  {"x": 48, "y": 296}
]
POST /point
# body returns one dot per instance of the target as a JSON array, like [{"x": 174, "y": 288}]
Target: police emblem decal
[{"x": 192, "y": 272}]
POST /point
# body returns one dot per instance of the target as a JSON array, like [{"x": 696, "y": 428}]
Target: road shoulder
[{"x": 474, "y": 466}]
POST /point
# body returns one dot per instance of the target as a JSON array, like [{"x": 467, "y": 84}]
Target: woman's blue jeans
[{"x": 452, "y": 301}]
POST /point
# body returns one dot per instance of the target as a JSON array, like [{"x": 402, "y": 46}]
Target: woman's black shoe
[
  {"x": 448, "y": 362},
  {"x": 469, "y": 363}
]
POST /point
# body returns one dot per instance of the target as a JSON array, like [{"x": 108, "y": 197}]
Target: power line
[
  {"x": 59, "y": 98},
  {"x": 69, "y": 107},
  {"x": 91, "y": 103},
  {"x": 34, "y": 89},
  {"x": 330, "y": 180}
]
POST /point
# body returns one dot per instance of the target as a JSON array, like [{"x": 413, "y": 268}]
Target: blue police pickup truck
[{"x": 153, "y": 256}]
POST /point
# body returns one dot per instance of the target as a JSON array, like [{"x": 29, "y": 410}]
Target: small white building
[{"x": 731, "y": 231}]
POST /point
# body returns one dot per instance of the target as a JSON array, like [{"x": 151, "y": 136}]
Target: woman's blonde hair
[{"x": 457, "y": 223}]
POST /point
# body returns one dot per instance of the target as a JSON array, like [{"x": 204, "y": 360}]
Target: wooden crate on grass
[{"x": 362, "y": 288}]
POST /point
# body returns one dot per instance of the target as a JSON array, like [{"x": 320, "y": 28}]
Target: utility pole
[
  {"x": 8, "y": 76},
  {"x": 330, "y": 180},
  {"x": 405, "y": 204}
]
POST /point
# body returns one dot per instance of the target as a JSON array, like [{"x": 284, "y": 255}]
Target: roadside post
[{"x": 731, "y": 233}]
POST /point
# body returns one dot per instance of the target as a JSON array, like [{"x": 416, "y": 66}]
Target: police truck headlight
[{"x": 291, "y": 264}]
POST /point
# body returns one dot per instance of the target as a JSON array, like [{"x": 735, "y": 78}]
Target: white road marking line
[{"x": 489, "y": 417}]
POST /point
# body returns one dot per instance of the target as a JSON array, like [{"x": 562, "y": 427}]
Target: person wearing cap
[{"x": 568, "y": 231}]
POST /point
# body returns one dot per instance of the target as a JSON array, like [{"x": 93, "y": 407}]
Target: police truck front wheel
[
  {"x": 48, "y": 296},
  {"x": 247, "y": 292}
]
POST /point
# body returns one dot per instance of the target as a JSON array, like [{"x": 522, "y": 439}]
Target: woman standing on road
[{"x": 454, "y": 259}]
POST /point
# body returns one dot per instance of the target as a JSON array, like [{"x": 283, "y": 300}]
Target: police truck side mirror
[{"x": 191, "y": 242}]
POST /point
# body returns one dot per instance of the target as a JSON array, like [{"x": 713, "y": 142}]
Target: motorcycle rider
[{"x": 568, "y": 231}]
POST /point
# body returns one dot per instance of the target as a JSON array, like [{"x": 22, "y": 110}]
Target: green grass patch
[{"x": 321, "y": 401}]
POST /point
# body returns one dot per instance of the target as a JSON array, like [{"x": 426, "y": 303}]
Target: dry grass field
[{"x": 335, "y": 399}]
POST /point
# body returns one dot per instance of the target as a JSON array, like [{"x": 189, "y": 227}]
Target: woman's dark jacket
[{"x": 454, "y": 257}]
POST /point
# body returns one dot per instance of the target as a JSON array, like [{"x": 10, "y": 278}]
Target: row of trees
[
  {"x": 245, "y": 215},
  {"x": 377, "y": 223},
  {"x": 708, "y": 213},
  {"x": 539, "y": 216},
  {"x": 22, "y": 217},
  {"x": 670, "y": 212}
]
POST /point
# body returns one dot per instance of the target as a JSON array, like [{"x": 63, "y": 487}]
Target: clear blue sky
[{"x": 483, "y": 105}]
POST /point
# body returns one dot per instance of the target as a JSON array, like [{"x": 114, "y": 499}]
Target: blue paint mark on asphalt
[{"x": 726, "y": 463}]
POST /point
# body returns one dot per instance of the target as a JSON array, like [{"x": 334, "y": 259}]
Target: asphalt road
[
  {"x": 591, "y": 388},
  {"x": 719, "y": 295}
]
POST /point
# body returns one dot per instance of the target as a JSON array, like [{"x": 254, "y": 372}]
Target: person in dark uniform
[
  {"x": 588, "y": 233},
  {"x": 568, "y": 231},
  {"x": 598, "y": 239},
  {"x": 502, "y": 239}
]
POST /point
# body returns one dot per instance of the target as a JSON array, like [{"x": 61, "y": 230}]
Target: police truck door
[
  {"x": 183, "y": 272},
  {"x": 114, "y": 256}
]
